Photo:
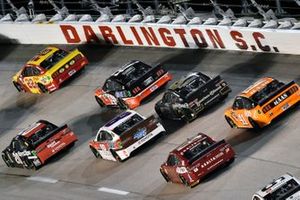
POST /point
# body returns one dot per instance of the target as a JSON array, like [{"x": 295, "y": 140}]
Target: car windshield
[
  {"x": 35, "y": 139},
  {"x": 127, "y": 124},
  {"x": 283, "y": 192},
  {"x": 132, "y": 72},
  {"x": 266, "y": 91},
  {"x": 190, "y": 84},
  {"x": 197, "y": 149},
  {"x": 49, "y": 62},
  {"x": 112, "y": 85}
]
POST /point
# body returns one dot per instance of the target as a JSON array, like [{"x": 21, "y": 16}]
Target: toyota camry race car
[
  {"x": 35, "y": 145},
  {"x": 127, "y": 87},
  {"x": 260, "y": 103},
  {"x": 197, "y": 157},
  {"x": 285, "y": 187},
  {"x": 46, "y": 71},
  {"x": 117, "y": 139},
  {"x": 186, "y": 98}
]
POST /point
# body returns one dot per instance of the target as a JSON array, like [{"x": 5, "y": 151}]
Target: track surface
[{"x": 261, "y": 156}]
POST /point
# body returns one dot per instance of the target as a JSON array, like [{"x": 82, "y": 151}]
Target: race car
[
  {"x": 286, "y": 187},
  {"x": 35, "y": 145},
  {"x": 46, "y": 71},
  {"x": 190, "y": 95},
  {"x": 260, "y": 103},
  {"x": 125, "y": 133},
  {"x": 127, "y": 87},
  {"x": 195, "y": 158}
]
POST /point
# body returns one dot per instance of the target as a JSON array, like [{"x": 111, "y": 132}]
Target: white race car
[
  {"x": 118, "y": 138},
  {"x": 285, "y": 187}
]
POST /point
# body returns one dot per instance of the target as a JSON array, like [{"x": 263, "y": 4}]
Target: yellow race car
[{"x": 46, "y": 71}]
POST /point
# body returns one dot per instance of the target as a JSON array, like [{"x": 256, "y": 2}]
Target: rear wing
[
  {"x": 48, "y": 136},
  {"x": 138, "y": 131},
  {"x": 263, "y": 101},
  {"x": 207, "y": 150}
]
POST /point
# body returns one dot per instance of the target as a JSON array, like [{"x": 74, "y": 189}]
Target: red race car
[
  {"x": 127, "y": 87},
  {"x": 35, "y": 145},
  {"x": 197, "y": 157}
]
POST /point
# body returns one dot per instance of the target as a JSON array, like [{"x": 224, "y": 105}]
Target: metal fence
[{"x": 282, "y": 8}]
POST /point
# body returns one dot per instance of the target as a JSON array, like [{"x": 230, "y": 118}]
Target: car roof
[
  {"x": 116, "y": 121},
  {"x": 275, "y": 184},
  {"x": 191, "y": 142},
  {"x": 255, "y": 87},
  {"x": 33, "y": 128},
  {"x": 42, "y": 55}
]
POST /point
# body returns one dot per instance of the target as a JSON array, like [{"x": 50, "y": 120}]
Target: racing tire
[
  {"x": 100, "y": 102},
  {"x": 223, "y": 97},
  {"x": 254, "y": 124},
  {"x": 184, "y": 181},
  {"x": 42, "y": 88},
  {"x": 116, "y": 156},
  {"x": 166, "y": 177},
  {"x": 95, "y": 152},
  {"x": 159, "y": 113},
  {"x": 122, "y": 104},
  {"x": 30, "y": 164},
  {"x": 7, "y": 162},
  {"x": 230, "y": 122},
  {"x": 18, "y": 87}
]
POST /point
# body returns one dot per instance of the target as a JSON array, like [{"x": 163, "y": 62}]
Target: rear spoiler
[
  {"x": 49, "y": 135},
  {"x": 205, "y": 151},
  {"x": 263, "y": 101}
]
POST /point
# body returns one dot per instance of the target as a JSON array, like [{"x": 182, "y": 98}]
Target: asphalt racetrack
[{"x": 76, "y": 174}]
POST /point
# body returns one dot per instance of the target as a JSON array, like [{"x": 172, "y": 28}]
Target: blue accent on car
[
  {"x": 117, "y": 118},
  {"x": 141, "y": 133}
]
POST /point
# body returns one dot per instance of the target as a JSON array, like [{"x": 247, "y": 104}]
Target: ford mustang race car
[
  {"x": 127, "y": 87},
  {"x": 45, "y": 72},
  {"x": 260, "y": 103},
  {"x": 197, "y": 157},
  {"x": 35, "y": 145},
  {"x": 117, "y": 139},
  {"x": 285, "y": 187},
  {"x": 186, "y": 98}
]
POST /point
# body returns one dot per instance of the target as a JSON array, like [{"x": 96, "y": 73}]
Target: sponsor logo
[
  {"x": 141, "y": 133},
  {"x": 280, "y": 99}
]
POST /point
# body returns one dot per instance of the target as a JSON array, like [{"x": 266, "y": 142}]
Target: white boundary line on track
[
  {"x": 114, "y": 191},
  {"x": 42, "y": 179}
]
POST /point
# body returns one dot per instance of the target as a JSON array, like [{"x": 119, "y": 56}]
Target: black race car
[{"x": 187, "y": 97}]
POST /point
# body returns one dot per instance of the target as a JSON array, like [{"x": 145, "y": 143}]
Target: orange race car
[
  {"x": 46, "y": 71},
  {"x": 260, "y": 103}
]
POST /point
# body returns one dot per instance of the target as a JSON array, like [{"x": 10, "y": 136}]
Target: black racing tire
[
  {"x": 30, "y": 164},
  {"x": 166, "y": 177},
  {"x": 223, "y": 97},
  {"x": 230, "y": 122},
  {"x": 8, "y": 164},
  {"x": 158, "y": 111},
  {"x": 122, "y": 104},
  {"x": 42, "y": 88},
  {"x": 99, "y": 101},
  {"x": 116, "y": 156},
  {"x": 95, "y": 152},
  {"x": 18, "y": 87},
  {"x": 254, "y": 124},
  {"x": 184, "y": 181}
]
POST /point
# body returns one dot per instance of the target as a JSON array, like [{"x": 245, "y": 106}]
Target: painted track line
[
  {"x": 42, "y": 179},
  {"x": 113, "y": 191}
]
